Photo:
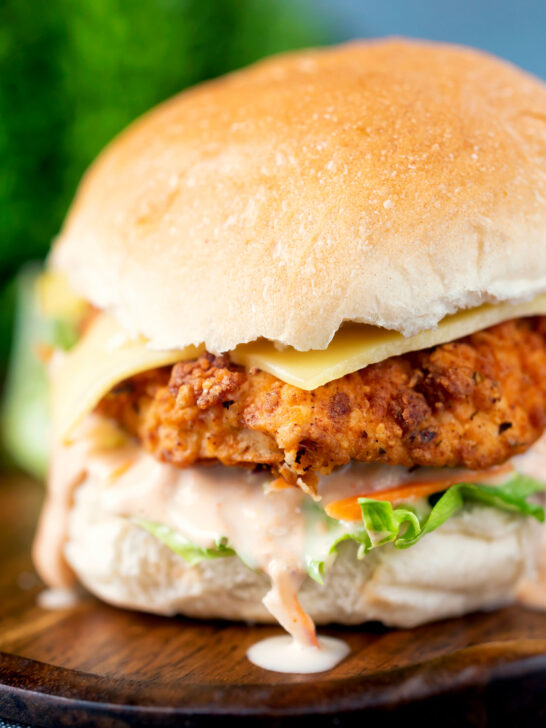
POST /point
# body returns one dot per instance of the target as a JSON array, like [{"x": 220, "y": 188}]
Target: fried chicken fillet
[{"x": 475, "y": 402}]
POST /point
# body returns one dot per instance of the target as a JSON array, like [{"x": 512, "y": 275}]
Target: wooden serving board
[{"x": 94, "y": 665}]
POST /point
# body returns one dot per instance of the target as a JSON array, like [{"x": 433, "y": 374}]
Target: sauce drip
[
  {"x": 285, "y": 654},
  {"x": 58, "y": 598},
  {"x": 264, "y": 525}
]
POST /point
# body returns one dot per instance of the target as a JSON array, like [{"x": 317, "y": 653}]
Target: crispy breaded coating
[{"x": 474, "y": 402}]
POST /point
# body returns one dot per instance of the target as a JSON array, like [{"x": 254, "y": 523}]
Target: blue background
[{"x": 512, "y": 29}]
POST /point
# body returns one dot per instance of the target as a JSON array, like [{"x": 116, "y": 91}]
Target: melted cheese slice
[
  {"x": 105, "y": 356},
  {"x": 56, "y": 299},
  {"x": 101, "y": 359},
  {"x": 358, "y": 345}
]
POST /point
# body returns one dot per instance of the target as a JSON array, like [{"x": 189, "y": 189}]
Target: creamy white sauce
[
  {"x": 97, "y": 440},
  {"x": 205, "y": 504},
  {"x": 58, "y": 598},
  {"x": 264, "y": 525},
  {"x": 533, "y": 461},
  {"x": 285, "y": 654},
  {"x": 356, "y": 478}
]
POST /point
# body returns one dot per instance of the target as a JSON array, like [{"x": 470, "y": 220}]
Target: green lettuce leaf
[
  {"x": 403, "y": 525},
  {"x": 322, "y": 535},
  {"x": 191, "y": 553},
  {"x": 511, "y": 496}
]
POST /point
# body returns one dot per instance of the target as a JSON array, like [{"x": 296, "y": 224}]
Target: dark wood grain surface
[{"x": 95, "y": 665}]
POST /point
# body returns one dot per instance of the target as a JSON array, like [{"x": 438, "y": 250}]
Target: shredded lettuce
[
  {"x": 190, "y": 552},
  {"x": 403, "y": 525},
  {"x": 382, "y": 523},
  {"x": 322, "y": 536}
]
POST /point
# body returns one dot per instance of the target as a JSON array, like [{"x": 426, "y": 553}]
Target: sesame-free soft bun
[
  {"x": 476, "y": 560},
  {"x": 386, "y": 182}
]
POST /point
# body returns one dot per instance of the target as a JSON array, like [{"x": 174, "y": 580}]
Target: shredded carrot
[{"x": 348, "y": 509}]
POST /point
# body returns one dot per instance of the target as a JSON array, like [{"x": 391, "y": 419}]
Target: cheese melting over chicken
[{"x": 105, "y": 356}]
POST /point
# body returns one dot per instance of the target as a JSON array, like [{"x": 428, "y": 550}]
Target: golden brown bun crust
[{"x": 387, "y": 182}]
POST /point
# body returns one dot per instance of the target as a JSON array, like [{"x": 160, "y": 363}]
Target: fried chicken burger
[{"x": 310, "y": 379}]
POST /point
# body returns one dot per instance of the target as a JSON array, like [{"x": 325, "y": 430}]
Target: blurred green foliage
[{"x": 73, "y": 73}]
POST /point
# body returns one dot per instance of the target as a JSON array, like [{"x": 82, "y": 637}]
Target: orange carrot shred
[{"x": 348, "y": 509}]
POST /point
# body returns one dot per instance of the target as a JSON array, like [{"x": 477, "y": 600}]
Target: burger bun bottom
[{"x": 472, "y": 562}]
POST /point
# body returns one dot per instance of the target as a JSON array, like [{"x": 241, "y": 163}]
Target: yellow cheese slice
[
  {"x": 358, "y": 345},
  {"x": 56, "y": 299},
  {"x": 100, "y": 360},
  {"x": 105, "y": 356}
]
